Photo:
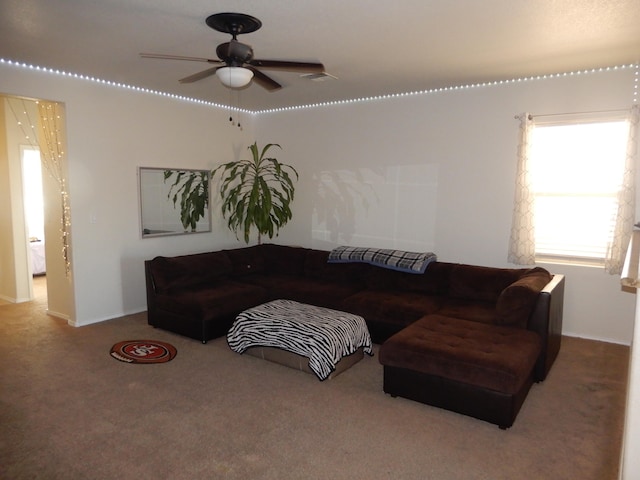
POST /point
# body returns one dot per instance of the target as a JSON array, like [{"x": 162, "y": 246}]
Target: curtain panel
[
  {"x": 522, "y": 244},
  {"x": 625, "y": 215}
]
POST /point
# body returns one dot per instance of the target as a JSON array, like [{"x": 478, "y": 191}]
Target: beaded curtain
[{"x": 52, "y": 143}]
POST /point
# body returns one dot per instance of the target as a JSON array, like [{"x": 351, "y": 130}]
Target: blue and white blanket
[{"x": 411, "y": 262}]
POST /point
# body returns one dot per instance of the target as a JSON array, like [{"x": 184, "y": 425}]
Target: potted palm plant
[{"x": 256, "y": 193}]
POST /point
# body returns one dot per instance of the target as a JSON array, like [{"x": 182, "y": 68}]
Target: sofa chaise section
[{"x": 473, "y": 368}]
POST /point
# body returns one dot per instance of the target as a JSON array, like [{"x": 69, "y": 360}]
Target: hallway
[{"x": 39, "y": 290}]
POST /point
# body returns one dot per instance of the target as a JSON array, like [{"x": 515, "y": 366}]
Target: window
[
  {"x": 576, "y": 170},
  {"x": 575, "y": 189}
]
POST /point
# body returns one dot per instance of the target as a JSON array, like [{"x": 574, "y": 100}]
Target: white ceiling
[{"x": 373, "y": 47}]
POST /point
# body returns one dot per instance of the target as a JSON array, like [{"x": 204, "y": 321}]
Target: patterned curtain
[
  {"x": 51, "y": 140},
  {"x": 625, "y": 216},
  {"x": 522, "y": 245}
]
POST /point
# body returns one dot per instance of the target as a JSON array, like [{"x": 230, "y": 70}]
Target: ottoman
[
  {"x": 313, "y": 339},
  {"x": 481, "y": 370}
]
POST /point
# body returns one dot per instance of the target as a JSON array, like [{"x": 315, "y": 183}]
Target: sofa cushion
[
  {"x": 516, "y": 302},
  {"x": 246, "y": 261},
  {"x": 434, "y": 280},
  {"x": 391, "y": 307},
  {"x": 172, "y": 274},
  {"x": 488, "y": 356},
  {"x": 303, "y": 289},
  {"x": 283, "y": 260},
  {"x": 481, "y": 283},
  {"x": 316, "y": 266},
  {"x": 218, "y": 299},
  {"x": 476, "y": 310}
]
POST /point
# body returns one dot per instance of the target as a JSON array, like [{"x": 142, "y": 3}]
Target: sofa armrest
[
  {"x": 546, "y": 320},
  {"x": 151, "y": 292},
  {"x": 516, "y": 302}
]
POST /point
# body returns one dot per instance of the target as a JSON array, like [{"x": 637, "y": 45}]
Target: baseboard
[
  {"x": 62, "y": 316},
  {"x": 596, "y": 339},
  {"x": 14, "y": 300},
  {"x": 77, "y": 323},
  {"x": 7, "y": 299}
]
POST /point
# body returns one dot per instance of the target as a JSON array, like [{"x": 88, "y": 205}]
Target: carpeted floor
[{"x": 70, "y": 411}]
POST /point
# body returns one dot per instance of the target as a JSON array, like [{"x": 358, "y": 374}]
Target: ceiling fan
[{"x": 235, "y": 65}]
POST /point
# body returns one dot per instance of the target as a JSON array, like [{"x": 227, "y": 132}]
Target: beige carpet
[{"x": 70, "y": 411}]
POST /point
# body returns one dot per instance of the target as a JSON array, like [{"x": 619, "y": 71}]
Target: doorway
[
  {"x": 34, "y": 219},
  {"x": 20, "y": 127}
]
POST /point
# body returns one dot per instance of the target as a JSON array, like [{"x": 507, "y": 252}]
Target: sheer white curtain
[
  {"x": 625, "y": 215},
  {"x": 522, "y": 244},
  {"x": 52, "y": 143}
]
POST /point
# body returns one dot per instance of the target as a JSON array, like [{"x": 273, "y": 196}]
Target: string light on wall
[
  {"x": 115, "y": 84},
  {"x": 338, "y": 102},
  {"x": 454, "y": 88}
]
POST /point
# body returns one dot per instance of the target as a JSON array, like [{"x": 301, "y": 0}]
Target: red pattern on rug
[{"x": 143, "y": 351}]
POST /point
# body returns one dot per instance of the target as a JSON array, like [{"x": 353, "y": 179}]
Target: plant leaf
[{"x": 256, "y": 193}]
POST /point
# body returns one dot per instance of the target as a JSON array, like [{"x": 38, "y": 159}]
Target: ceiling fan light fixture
[
  {"x": 235, "y": 65},
  {"x": 234, "y": 77}
]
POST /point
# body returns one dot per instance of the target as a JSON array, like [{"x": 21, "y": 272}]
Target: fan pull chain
[
  {"x": 231, "y": 107},
  {"x": 231, "y": 121},
  {"x": 238, "y": 105}
]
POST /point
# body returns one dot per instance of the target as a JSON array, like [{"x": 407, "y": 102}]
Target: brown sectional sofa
[{"x": 502, "y": 326}]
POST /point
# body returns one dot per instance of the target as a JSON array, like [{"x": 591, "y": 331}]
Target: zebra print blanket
[{"x": 322, "y": 335}]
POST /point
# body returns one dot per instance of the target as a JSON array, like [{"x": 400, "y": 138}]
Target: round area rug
[{"x": 143, "y": 351}]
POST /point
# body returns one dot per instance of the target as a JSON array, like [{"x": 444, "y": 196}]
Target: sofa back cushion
[
  {"x": 283, "y": 260},
  {"x": 473, "y": 282},
  {"x": 172, "y": 274},
  {"x": 516, "y": 302},
  {"x": 317, "y": 267},
  {"x": 434, "y": 280},
  {"x": 247, "y": 260}
]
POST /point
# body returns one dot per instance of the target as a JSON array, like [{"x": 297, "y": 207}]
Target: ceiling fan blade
[
  {"x": 199, "y": 76},
  {"x": 178, "y": 57},
  {"x": 291, "y": 66},
  {"x": 263, "y": 80}
]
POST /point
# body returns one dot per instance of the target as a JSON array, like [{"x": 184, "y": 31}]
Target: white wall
[
  {"x": 111, "y": 131},
  {"x": 8, "y": 280},
  {"x": 436, "y": 172}
]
